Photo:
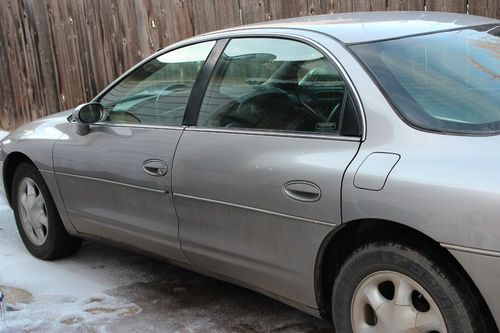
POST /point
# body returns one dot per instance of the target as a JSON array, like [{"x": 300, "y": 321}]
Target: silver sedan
[{"x": 347, "y": 165}]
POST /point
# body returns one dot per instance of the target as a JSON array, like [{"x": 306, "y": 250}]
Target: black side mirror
[{"x": 87, "y": 114}]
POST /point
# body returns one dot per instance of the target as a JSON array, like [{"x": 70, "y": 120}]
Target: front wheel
[
  {"x": 390, "y": 287},
  {"x": 37, "y": 219}
]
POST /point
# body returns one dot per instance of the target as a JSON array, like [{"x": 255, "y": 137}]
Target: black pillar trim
[{"x": 196, "y": 98}]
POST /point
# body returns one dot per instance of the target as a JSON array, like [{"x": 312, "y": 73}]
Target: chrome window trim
[
  {"x": 345, "y": 76},
  {"x": 109, "y": 124},
  {"x": 112, "y": 182},
  {"x": 324, "y": 51},
  {"x": 172, "y": 47},
  {"x": 471, "y": 250},
  {"x": 165, "y": 127},
  {"x": 251, "y": 33},
  {"x": 265, "y": 211},
  {"x": 157, "y": 54},
  {"x": 290, "y": 134}
]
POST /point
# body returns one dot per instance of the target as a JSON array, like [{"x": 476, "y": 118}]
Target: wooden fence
[{"x": 56, "y": 54}]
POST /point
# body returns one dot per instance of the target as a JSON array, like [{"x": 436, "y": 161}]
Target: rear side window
[
  {"x": 448, "y": 81},
  {"x": 275, "y": 84}
]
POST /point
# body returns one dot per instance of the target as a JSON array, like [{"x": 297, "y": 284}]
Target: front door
[
  {"x": 116, "y": 180},
  {"x": 257, "y": 182}
]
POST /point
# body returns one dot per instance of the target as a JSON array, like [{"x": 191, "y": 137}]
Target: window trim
[
  {"x": 292, "y": 35},
  {"x": 212, "y": 54},
  {"x": 277, "y": 133},
  {"x": 318, "y": 47},
  {"x": 155, "y": 55},
  {"x": 199, "y": 88}
]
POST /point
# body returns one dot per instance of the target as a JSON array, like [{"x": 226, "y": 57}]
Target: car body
[{"x": 253, "y": 206}]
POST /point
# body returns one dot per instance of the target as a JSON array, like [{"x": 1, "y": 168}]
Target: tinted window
[
  {"x": 274, "y": 84},
  {"x": 350, "y": 121},
  {"x": 157, "y": 92},
  {"x": 446, "y": 81}
]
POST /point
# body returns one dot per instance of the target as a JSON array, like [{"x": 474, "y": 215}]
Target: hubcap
[
  {"x": 390, "y": 302},
  {"x": 32, "y": 211}
]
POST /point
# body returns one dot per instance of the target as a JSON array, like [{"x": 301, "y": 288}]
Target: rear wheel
[
  {"x": 390, "y": 287},
  {"x": 37, "y": 219}
]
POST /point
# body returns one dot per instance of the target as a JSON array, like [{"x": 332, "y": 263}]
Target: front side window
[
  {"x": 274, "y": 84},
  {"x": 447, "y": 81},
  {"x": 157, "y": 92}
]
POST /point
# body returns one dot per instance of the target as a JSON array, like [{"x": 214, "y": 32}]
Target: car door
[
  {"x": 257, "y": 180},
  {"x": 116, "y": 180}
]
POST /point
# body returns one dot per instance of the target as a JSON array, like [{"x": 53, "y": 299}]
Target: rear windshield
[{"x": 448, "y": 81}]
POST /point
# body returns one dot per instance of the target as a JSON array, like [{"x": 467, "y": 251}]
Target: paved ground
[{"x": 105, "y": 289}]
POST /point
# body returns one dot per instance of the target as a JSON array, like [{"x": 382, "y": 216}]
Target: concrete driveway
[{"x": 106, "y": 289}]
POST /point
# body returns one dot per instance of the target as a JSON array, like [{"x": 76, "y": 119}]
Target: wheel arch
[
  {"x": 12, "y": 161},
  {"x": 342, "y": 241}
]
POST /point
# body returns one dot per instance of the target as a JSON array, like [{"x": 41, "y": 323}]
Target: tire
[
  {"x": 37, "y": 219},
  {"x": 383, "y": 278}
]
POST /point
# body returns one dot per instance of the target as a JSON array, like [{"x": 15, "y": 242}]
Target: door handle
[
  {"x": 302, "y": 190},
  {"x": 155, "y": 168}
]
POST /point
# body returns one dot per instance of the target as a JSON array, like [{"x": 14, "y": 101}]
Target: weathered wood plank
[
  {"x": 210, "y": 15},
  {"x": 405, "y": 5},
  {"x": 7, "y": 110},
  {"x": 317, "y": 7},
  {"x": 458, "y": 6},
  {"x": 369, "y": 5},
  {"x": 489, "y": 8},
  {"x": 278, "y": 9},
  {"x": 46, "y": 84},
  {"x": 252, "y": 11},
  {"x": 345, "y": 5}
]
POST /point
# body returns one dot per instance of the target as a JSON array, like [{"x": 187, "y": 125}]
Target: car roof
[{"x": 360, "y": 27}]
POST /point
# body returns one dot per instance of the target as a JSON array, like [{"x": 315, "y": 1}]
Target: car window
[
  {"x": 157, "y": 92},
  {"x": 274, "y": 84},
  {"x": 446, "y": 81}
]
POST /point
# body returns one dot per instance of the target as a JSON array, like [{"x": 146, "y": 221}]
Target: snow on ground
[
  {"x": 106, "y": 289},
  {"x": 49, "y": 295},
  {"x": 3, "y": 134}
]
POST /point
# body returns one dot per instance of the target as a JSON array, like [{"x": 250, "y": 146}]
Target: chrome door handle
[
  {"x": 155, "y": 168},
  {"x": 302, "y": 190}
]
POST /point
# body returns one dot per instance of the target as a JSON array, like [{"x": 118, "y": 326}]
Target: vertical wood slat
[
  {"x": 489, "y": 8},
  {"x": 316, "y": 7},
  {"x": 405, "y": 5},
  {"x": 7, "y": 90},
  {"x": 56, "y": 54},
  {"x": 252, "y": 11},
  {"x": 369, "y": 5},
  {"x": 458, "y": 6}
]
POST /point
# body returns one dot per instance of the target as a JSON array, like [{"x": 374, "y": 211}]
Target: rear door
[
  {"x": 116, "y": 180},
  {"x": 257, "y": 181}
]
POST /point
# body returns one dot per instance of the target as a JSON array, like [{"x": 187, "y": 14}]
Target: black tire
[
  {"x": 457, "y": 305},
  {"x": 58, "y": 242}
]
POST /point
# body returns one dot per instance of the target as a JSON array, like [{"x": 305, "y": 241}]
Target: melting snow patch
[
  {"x": 62, "y": 296},
  {"x": 68, "y": 315}
]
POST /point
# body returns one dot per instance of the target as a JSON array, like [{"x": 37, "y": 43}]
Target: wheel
[
  {"x": 390, "y": 287},
  {"x": 37, "y": 218}
]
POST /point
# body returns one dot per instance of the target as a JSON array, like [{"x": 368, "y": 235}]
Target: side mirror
[{"x": 87, "y": 114}]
